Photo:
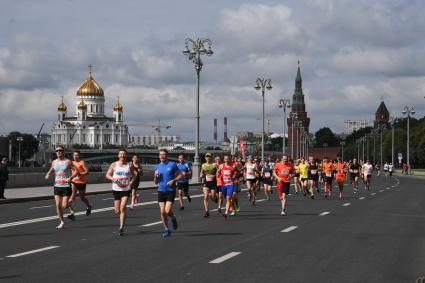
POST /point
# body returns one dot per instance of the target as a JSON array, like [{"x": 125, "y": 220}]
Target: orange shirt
[
  {"x": 80, "y": 179},
  {"x": 328, "y": 168},
  {"x": 340, "y": 171},
  {"x": 284, "y": 171}
]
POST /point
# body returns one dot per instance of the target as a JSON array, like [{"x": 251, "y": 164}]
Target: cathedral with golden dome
[{"x": 90, "y": 127}]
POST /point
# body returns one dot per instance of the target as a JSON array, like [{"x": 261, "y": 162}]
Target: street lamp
[
  {"x": 284, "y": 103},
  {"x": 19, "y": 140},
  {"x": 342, "y": 143},
  {"x": 263, "y": 84},
  {"x": 193, "y": 50},
  {"x": 325, "y": 145},
  {"x": 408, "y": 110},
  {"x": 293, "y": 117},
  {"x": 298, "y": 125},
  {"x": 393, "y": 120}
]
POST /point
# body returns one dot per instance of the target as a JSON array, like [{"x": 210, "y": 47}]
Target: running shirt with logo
[
  {"x": 121, "y": 178},
  {"x": 62, "y": 172},
  {"x": 227, "y": 173},
  {"x": 340, "y": 172},
  {"x": 367, "y": 169},
  {"x": 284, "y": 171},
  {"x": 79, "y": 179},
  {"x": 313, "y": 171},
  {"x": 328, "y": 169},
  {"x": 355, "y": 169},
  {"x": 167, "y": 172},
  {"x": 251, "y": 169},
  {"x": 267, "y": 172},
  {"x": 303, "y": 171},
  {"x": 184, "y": 168},
  {"x": 209, "y": 169},
  {"x": 391, "y": 168}
]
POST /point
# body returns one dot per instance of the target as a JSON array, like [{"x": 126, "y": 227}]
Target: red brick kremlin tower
[{"x": 298, "y": 109}]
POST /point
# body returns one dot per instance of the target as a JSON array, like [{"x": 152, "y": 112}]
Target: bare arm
[
  {"x": 85, "y": 168},
  {"x": 51, "y": 170},
  {"x": 110, "y": 172}
]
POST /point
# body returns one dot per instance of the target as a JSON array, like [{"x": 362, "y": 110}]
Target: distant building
[
  {"x": 382, "y": 115},
  {"x": 178, "y": 146},
  {"x": 351, "y": 126},
  {"x": 152, "y": 140}
]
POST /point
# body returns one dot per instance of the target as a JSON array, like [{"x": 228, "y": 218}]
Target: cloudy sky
[{"x": 352, "y": 53}]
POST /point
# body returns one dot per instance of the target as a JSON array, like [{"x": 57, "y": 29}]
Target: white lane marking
[
  {"x": 346, "y": 204},
  {"x": 362, "y": 198},
  {"x": 151, "y": 224},
  {"x": 387, "y": 188},
  {"x": 289, "y": 229},
  {"x": 324, "y": 213},
  {"x": 372, "y": 194},
  {"x": 381, "y": 191},
  {"x": 108, "y": 199},
  {"x": 225, "y": 257},
  {"x": 260, "y": 200},
  {"x": 44, "y": 206},
  {"x": 33, "y": 251}
]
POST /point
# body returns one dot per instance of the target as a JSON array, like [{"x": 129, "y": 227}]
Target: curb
[{"x": 47, "y": 197}]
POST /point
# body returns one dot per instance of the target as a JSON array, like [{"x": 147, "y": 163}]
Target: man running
[
  {"x": 227, "y": 172},
  {"x": 367, "y": 173},
  {"x": 139, "y": 172},
  {"x": 79, "y": 184},
  {"x": 340, "y": 176},
  {"x": 283, "y": 172},
  {"x": 219, "y": 183},
  {"x": 183, "y": 183},
  {"x": 122, "y": 175},
  {"x": 267, "y": 177},
  {"x": 61, "y": 167},
  {"x": 386, "y": 167},
  {"x": 296, "y": 176},
  {"x": 313, "y": 176},
  {"x": 251, "y": 170},
  {"x": 166, "y": 175},
  {"x": 328, "y": 170},
  {"x": 391, "y": 169},
  {"x": 208, "y": 174},
  {"x": 354, "y": 170},
  {"x": 303, "y": 166},
  {"x": 237, "y": 185}
]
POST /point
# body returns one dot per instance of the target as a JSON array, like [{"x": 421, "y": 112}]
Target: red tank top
[{"x": 227, "y": 173}]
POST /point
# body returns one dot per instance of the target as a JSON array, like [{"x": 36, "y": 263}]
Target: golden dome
[
  {"x": 90, "y": 87},
  {"x": 62, "y": 106},
  {"x": 82, "y": 105},
  {"x": 118, "y": 106}
]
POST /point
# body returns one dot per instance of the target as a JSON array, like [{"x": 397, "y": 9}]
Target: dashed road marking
[
  {"x": 33, "y": 251},
  {"x": 324, "y": 213},
  {"x": 346, "y": 204},
  {"x": 151, "y": 224},
  {"x": 225, "y": 257},
  {"x": 381, "y": 191},
  {"x": 289, "y": 229},
  {"x": 44, "y": 206},
  {"x": 362, "y": 198},
  {"x": 372, "y": 194}
]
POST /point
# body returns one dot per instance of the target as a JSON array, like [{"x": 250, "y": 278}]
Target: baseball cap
[{"x": 208, "y": 155}]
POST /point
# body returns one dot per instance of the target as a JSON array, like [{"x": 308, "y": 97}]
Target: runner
[
  {"x": 183, "y": 183},
  {"x": 367, "y": 173},
  {"x": 391, "y": 169},
  {"x": 340, "y": 176},
  {"x": 79, "y": 184},
  {"x": 313, "y": 176},
  {"x": 378, "y": 169},
  {"x": 219, "y": 183},
  {"x": 283, "y": 173},
  {"x": 354, "y": 170},
  {"x": 328, "y": 170},
  {"x": 61, "y": 167},
  {"x": 208, "y": 172},
  {"x": 166, "y": 175},
  {"x": 237, "y": 185},
  {"x": 251, "y": 170},
  {"x": 267, "y": 177},
  {"x": 227, "y": 173},
  {"x": 303, "y": 166},
  {"x": 386, "y": 167},
  {"x": 122, "y": 175},
  {"x": 139, "y": 172},
  {"x": 296, "y": 175}
]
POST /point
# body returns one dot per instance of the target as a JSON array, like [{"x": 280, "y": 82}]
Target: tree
[
  {"x": 29, "y": 145},
  {"x": 325, "y": 135}
]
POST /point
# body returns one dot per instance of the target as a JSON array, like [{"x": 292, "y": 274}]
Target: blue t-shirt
[
  {"x": 167, "y": 172},
  {"x": 185, "y": 168}
]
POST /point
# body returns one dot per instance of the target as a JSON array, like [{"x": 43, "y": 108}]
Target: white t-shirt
[
  {"x": 391, "y": 168},
  {"x": 367, "y": 169},
  {"x": 386, "y": 166}
]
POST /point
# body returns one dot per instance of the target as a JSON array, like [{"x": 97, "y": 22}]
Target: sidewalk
[{"x": 14, "y": 195}]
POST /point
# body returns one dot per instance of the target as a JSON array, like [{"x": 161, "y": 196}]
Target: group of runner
[{"x": 221, "y": 181}]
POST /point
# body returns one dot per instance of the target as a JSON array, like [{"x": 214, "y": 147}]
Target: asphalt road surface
[{"x": 377, "y": 236}]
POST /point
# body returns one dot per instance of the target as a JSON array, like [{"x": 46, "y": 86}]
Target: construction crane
[{"x": 157, "y": 127}]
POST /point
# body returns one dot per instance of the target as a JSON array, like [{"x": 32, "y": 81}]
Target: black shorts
[
  {"x": 296, "y": 175},
  {"x": 236, "y": 188},
  {"x": 135, "y": 185},
  {"x": 304, "y": 179},
  {"x": 62, "y": 191},
  {"x": 183, "y": 186},
  {"x": 353, "y": 176},
  {"x": 268, "y": 181},
  {"x": 166, "y": 196},
  {"x": 328, "y": 180},
  {"x": 118, "y": 195},
  {"x": 210, "y": 185},
  {"x": 252, "y": 180},
  {"x": 314, "y": 177},
  {"x": 79, "y": 186}
]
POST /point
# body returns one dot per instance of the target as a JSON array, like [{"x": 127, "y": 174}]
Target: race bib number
[
  {"x": 328, "y": 175},
  {"x": 267, "y": 174},
  {"x": 210, "y": 178},
  {"x": 284, "y": 172},
  {"x": 355, "y": 171},
  {"x": 122, "y": 182},
  {"x": 313, "y": 172}
]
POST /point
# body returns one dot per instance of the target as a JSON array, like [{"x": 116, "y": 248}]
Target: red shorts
[{"x": 283, "y": 188}]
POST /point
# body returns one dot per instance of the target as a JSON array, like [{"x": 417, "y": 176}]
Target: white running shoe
[
  {"x": 283, "y": 212},
  {"x": 61, "y": 225}
]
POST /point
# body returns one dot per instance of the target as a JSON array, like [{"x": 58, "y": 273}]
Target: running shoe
[
  {"x": 238, "y": 209},
  {"x": 268, "y": 198},
  {"x": 166, "y": 233},
  {"x": 225, "y": 216},
  {"x": 121, "y": 232},
  {"x": 219, "y": 210},
  {"x": 189, "y": 199},
  {"x": 61, "y": 225},
  {"x": 207, "y": 214},
  {"x": 233, "y": 213},
  {"x": 88, "y": 211},
  {"x": 283, "y": 213},
  {"x": 181, "y": 208},
  {"x": 312, "y": 196},
  {"x": 71, "y": 216},
  {"x": 132, "y": 206},
  {"x": 340, "y": 195},
  {"x": 174, "y": 222},
  {"x": 136, "y": 199}
]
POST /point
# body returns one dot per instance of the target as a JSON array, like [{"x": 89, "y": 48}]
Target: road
[{"x": 375, "y": 237}]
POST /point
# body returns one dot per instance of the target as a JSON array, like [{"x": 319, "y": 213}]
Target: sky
[{"x": 352, "y": 53}]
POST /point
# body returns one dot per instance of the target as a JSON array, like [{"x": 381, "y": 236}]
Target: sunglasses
[{"x": 59, "y": 150}]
